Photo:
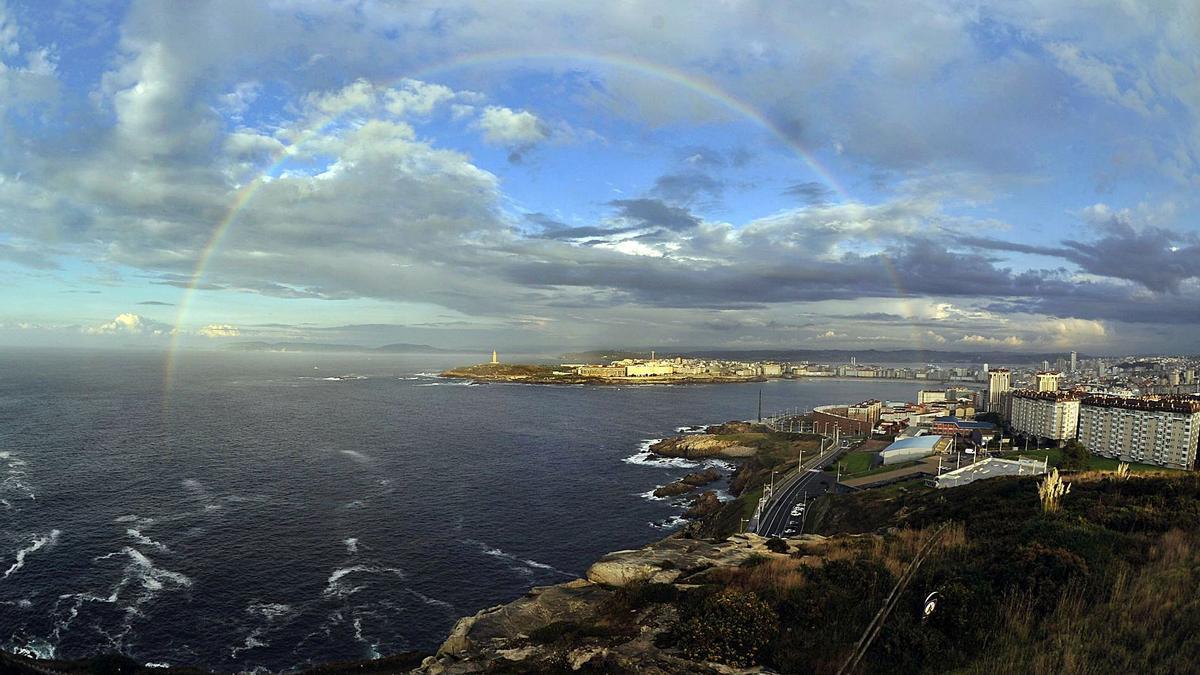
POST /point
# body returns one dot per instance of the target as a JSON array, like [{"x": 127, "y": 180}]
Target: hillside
[{"x": 1108, "y": 584}]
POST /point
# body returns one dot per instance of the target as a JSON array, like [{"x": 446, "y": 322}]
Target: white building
[
  {"x": 1053, "y": 415},
  {"x": 1162, "y": 431},
  {"x": 999, "y": 388}
]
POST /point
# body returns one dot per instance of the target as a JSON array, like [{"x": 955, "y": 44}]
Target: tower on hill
[{"x": 495, "y": 358}]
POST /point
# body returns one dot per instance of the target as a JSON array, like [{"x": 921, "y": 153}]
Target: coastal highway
[{"x": 812, "y": 481}]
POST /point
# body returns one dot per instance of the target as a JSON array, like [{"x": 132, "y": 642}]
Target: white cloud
[
  {"x": 508, "y": 127},
  {"x": 1010, "y": 341},
  {"x": 129, "y": 323},
  {"x": 219, "y": 330}
]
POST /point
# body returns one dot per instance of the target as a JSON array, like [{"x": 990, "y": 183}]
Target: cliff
[{"x": 976, "y": 579}]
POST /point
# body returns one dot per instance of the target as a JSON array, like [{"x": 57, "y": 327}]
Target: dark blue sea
[{"x": 271, "y": 511}]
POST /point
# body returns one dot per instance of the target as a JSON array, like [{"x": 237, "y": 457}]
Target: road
[
  {"x": 791, "y": 491},
  {"x": 778, "y": 513}
]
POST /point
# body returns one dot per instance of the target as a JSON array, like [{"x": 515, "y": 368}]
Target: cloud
[
  {"x": 157, "y": 303},
  {"x": 1010, "y": 341},
  {"x": 219, "y": 330},
  {"x": 810, "y": 192},
  {"x": 647, "y": 212},
  {"x": 129, "y": 323}
]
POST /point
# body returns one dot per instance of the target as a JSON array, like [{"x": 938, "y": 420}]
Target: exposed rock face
[
  {"x": 569, "y": 627},
  {"x": 694, "y": 446},
  {"x": 704, "y": 505},
  {"x": 688, "y": 483}
]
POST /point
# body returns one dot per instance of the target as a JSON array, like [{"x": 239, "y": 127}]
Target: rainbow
[{"x": 690, "y": 81}]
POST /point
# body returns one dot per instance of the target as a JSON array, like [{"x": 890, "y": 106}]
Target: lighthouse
[{"x": 495, "y": 358}]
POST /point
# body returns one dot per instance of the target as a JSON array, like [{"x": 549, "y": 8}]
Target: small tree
[
  {"x": 1051, "y": 491},
  {"x": 1076, "y": 456}
]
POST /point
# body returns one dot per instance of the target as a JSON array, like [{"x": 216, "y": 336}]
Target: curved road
[{"x": 792, "y": 490}]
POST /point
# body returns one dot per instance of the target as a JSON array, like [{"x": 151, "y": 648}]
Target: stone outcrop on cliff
[
  {"x": 570, "y": 627},
  {"x": 698, "y": 446}
]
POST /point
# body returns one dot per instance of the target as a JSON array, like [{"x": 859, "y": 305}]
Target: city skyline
[{"x": 938, "y": 176}]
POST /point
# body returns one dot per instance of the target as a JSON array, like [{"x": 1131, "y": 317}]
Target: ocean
[{"x": 269, "y": 511}]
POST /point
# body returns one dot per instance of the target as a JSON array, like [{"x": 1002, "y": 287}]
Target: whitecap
[
  {"x": 351, "y": 544},
  {"x": 649, "y": 495},
  {"x": 335, "y": 587},
  {"x": 430, "y": 601},
  {"x": 146, "y": 541},
  {"x": 669, "y": 523},
  {"x": 524, "y": 564},
  {"x": 355, "y": 455},
  {"x": 644, "y": 457},
  {"x": 38, "y": 543}
]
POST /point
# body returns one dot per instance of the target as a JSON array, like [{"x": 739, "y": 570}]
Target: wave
[
  {"x": 430, "y": 601},
  {"x": 694, "y": 429},
  {"x": 643, "y": 457},
  {"x": 268, "y": 611},
  {"x": 35, "y": 648},
  {"x": 372, "y": 647},
  {"x": 668, "y": 523},
  {"x": 523, "y": 565},
  {"x": 37, "y": 544},
  {"x": 146, "y": 541},
  {"x": 335, "y": 587},
  {"x": 450, "y": 383},
  {"x": 14, "y": 478},
  {"x": 650, "y": 496},
  {"x": 351, "y": 544}
]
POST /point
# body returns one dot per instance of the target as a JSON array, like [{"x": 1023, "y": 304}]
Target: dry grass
[{"x": 1139, "y": 627}]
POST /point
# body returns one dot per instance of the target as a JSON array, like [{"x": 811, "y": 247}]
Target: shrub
[
  {"x": 730, "y": 627},
  {"x": 777, "y": 545}
]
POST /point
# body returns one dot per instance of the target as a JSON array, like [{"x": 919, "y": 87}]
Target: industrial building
[
  {"x": 913, "y": 448},
  {"x": 1161, "y": 431}
]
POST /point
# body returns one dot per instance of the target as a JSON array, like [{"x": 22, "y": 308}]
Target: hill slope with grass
[{"x": 1109, "y": 583}]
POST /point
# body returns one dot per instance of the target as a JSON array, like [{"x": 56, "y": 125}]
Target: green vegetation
[
  {"x": 1107, "y": 583},
  {"x": 730, "y": 627},
  {"x": 1094, "y": 462},
  {"x": 1075, "y": 456},
  {"x": 857, "y": 463}
]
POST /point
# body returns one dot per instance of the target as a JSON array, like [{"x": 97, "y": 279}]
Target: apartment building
[
  {"x": 1052, "y": 415},
  {"x": 1162, "y": 431}
]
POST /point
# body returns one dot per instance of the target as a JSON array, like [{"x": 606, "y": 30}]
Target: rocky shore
[{"x": 610, "y": 621}]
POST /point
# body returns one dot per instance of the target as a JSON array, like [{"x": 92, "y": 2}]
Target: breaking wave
[
  {"x": 522, "y": 565},
  {"x": 37, "y": 544}
]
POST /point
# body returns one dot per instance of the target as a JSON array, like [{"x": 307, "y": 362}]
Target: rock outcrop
[
  {"x": 699, "y": 446},
  {"x": 572, "y": 626},
  {"x": 704, "y": 505},
  {"x": 688, "y": 483}
]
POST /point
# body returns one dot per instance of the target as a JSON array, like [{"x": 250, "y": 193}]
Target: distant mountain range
[
  {"x": 863, "y": 356},
  {"x": 396, "y": 348}
]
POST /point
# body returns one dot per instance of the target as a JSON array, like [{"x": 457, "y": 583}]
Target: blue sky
[{"x": 1018, "y": 175}]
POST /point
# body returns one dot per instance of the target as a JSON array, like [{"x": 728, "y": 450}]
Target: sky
[{"x": 1018, "y": 175}]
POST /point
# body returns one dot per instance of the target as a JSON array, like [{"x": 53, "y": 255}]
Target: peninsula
[{"x": 622, "y": 372}]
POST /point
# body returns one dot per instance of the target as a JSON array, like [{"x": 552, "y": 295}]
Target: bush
[
  {"x": 730, "y": 627},
  {"x": 777, "y": 545}
]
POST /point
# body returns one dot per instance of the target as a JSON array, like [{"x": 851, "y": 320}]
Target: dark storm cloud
[
  {"x": 686, "y": 187},
  {"x": 811, "y": 192},
  {"x": 1157, "y": 258},
  {"x": 653, "y": 212},
  {"x": 869, "y": 316}
]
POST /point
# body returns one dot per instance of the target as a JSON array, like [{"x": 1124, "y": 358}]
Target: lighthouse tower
[{"x": 495, "y": 358}]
